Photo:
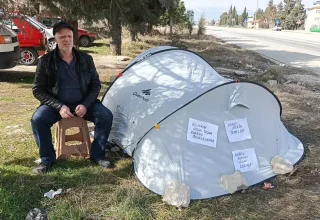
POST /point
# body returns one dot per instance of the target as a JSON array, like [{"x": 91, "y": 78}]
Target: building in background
[
  {"x": 251, "y": 23},
  {"x": 313, "y": 20}
]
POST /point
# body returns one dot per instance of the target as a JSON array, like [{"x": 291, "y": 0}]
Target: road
[{"x": 294, "y": 48}]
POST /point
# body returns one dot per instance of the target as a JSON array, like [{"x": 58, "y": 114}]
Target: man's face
[{"x": 64, "y": 39}]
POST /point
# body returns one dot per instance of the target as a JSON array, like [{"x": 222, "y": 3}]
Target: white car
[
  {"x": 277, "y": 28},
  {"x": 9, "y": 48},
  {"x": 48, "y": 32},
  {"x": 50, "y": 41}
]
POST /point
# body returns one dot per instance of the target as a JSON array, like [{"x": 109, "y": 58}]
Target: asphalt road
[{"x": 296, "y": 48}]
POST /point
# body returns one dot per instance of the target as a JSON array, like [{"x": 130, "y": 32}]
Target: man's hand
[
  {"x": 80, "y": 110},
  {"x": 65, "y": 112}
]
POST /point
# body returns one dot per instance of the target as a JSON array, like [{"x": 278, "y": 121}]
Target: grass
[
  {"x": 101, "y": 47},
  {"x": 116, "y": 194}
]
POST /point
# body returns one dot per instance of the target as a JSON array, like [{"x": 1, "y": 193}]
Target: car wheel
[
  {"x": 84, "y": 41},
  {"x": 28, "y": 56},
  {"x": 52, "y": 45}
]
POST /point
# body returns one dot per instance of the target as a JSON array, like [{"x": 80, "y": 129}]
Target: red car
[
  {"x": 31, "y": 41},
  {"x": 86, "y": 38}
]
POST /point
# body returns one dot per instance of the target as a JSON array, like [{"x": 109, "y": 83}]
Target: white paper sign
[
  {"x": 245, "y": 160},
  {"x": 237, "y": 130},
  {"x": 202, "y": 133}
]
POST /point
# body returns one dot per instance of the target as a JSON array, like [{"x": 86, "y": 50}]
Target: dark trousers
[{"x": 45, "y": 117}]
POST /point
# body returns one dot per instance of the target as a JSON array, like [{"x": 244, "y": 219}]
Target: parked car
[
  {"x": 31, "y": 39},
  {"x": 50, "y": 41},
  {"x": 85, "y": 37},
  {"x": 9, "y": 48},
  {"x": 277, "y": 28}
]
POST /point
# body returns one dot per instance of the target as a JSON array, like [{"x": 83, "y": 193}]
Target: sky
[{"x": 214, "y": 8}]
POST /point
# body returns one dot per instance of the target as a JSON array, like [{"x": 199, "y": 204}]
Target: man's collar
[{"x": 59, "y": 53}]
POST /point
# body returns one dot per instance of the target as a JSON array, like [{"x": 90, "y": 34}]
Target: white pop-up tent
[{"x": 181, "y": 121}]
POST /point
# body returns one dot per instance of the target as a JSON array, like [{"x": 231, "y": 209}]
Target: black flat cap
[{"x": 61, "y": 24}]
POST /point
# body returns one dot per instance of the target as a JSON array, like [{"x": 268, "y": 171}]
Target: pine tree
[
  {"x": 240, "y": 20},
  {"x": 230, "y": 16},
  {"x": 190, "y": 21},
  {"x": 301, "y": 13},
  {"x": 279, "y": 10},
  {"x": 234, "y": 16},
  {"x": 296, "y": 16},
  {"x": 270, "y": 13},
  {"x": 244, "y": 14},
  {"x": 260, "y": 14},
  {"x": 289, "y": 14},
  {"x": 224, "y": 18},
  {"x": 281, "y": 15},
  {"x": 201, "y": 26},
  {"x": 270, "y": 3}
]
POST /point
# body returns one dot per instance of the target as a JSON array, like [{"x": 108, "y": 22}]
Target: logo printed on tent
[
  {"x": 141, "y": 96},
  {"x": 144, "y": 57},
  {"x": 146, "y": 92}
]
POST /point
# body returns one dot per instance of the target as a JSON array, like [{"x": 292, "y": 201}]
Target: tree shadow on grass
[
  {"x": 21, "y": 191},
  {"x": 94, "y": 44},
  {"x": 16, "y": 77}
]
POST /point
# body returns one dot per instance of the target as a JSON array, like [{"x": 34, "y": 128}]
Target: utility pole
[
  {"x": 255, "y": 14},
  {"x": 228, "y": 17}
]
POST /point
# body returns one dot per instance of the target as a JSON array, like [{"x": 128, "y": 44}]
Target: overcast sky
[{"x": 214, "y": 8}]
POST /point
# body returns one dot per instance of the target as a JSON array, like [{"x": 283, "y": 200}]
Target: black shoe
[
  {"x": 40, "y": 169},
  {"x": 37, "y": 213},
  {"x": 104, "y": 164}
]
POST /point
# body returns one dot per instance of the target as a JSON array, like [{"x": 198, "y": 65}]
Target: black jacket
[{"x": 46, "y": 81}]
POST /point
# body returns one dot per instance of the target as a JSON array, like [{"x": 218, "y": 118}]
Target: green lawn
[{"x": 101, "y": 47}]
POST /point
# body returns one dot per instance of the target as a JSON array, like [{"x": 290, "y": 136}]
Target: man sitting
[{"x": 67, "y": 85}]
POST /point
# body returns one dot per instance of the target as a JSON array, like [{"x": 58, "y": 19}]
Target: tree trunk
[
  {"x": 134, "y": 29},
  {"x": 133, "y": 33},
  {"x": 74, "y": 24},
  {"x": 171, "y": 24},
  {"x": 149, "y": 28},
  {"x": 115, "y": 32},
  {"x": 116, "y": 40}
]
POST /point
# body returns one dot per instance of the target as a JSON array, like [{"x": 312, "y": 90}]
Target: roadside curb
[{"x": 272, "y": 59}]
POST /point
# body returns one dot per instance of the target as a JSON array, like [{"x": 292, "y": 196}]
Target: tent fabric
[{"x": 176, "y": 89}]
